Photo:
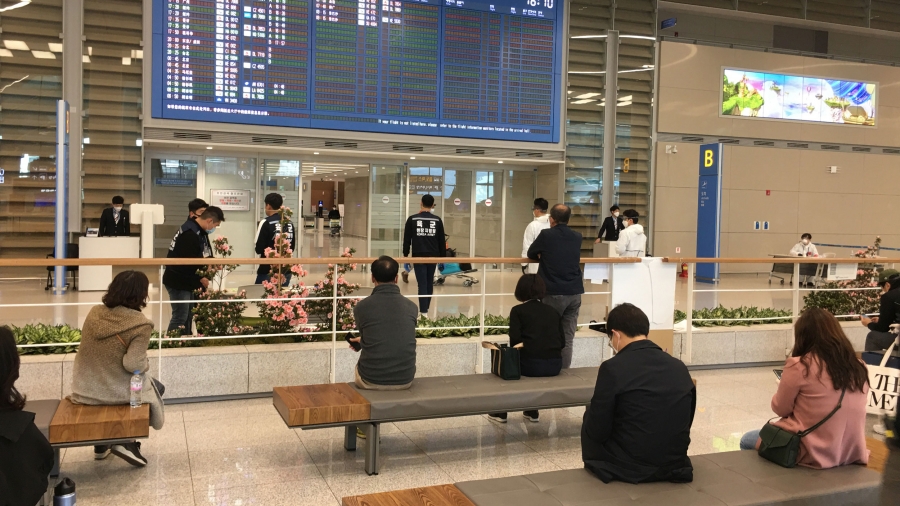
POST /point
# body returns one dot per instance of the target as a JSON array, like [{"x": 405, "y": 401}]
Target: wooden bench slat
[
  {"x": 880, "y": 453},
  {"x": 438, "y": 495},
  {"x": 78, "y": 422},
  {"x": 320, "y": 404}
]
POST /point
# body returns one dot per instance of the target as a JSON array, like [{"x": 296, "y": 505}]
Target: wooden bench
[{"x": 438, "y": 495}]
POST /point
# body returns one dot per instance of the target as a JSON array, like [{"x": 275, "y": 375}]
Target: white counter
[{"x": 98, "y": 277}]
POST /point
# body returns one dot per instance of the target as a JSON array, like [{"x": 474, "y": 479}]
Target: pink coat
[{"x": 802, "y": 400}]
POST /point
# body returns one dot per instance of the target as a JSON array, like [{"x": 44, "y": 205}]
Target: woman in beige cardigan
[{"x": 114, "y": 342}]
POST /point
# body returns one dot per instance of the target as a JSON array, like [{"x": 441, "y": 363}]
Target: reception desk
[{"x": 98, "y": 277}]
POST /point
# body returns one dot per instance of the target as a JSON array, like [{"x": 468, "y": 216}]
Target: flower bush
[
  {"x": 852, "y": 302},
  {"x": 323, "y": 309},
  {"x": 219, "y": 318},
  {"x": 283, "y": 311}
]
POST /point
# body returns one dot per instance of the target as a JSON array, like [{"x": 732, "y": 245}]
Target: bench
[
  {"x": 344, "y": 405},
  {"x": 720, "y": 479},
  {"x": 68, "y": 425}
]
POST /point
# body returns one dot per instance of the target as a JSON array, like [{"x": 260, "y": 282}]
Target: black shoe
[
  {"x": 497, "y": 417},
  {"x": 131, "y": 453},
  {"x": 532, "y": 416},
  {"x": 101, "y": 452},
  {"x": 405, "y": 276}
]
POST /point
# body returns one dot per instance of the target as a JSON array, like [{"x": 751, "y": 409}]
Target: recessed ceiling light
[
  {"x": 138, "y": 142},
  {"x": 126, "y": 61},
  {"x": 316, "y": 153},
  {"x": 412, "y": 158},
  {"x": 87, "y": 140},
  {"x": 208, "y": 147},
  {"x": 44, "y": 55},
  {"x": 55, "y": 47},
  {"x": 500, "y": 161},
  {"x": 18, "y": 45}
]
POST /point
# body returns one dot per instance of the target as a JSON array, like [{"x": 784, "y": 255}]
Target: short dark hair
[
  {"x": 213, "y": 212},
  {"x": 629, "y": 320},
  {"x": 542, "y": 204},
  {"x": 632, "y": 215},
  {"x": 274, "y": 201},
  {"x": 613, "y": 208},
  {"x": 806, "y": 236},
  {"x": 129, "y": 289},
  {"x": 118, "y": 199},
  {"x": 197, "y": 204},
  {"x": 530, "y": 287},
  {"x": 10, "y": 398},
  {"x": 427, "y": 200},
  {"x": 561, "y": 213},
  {"x": 385, "y": 269}
]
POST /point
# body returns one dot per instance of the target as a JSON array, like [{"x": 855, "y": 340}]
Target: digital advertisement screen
[
  {"x": 486, "y": 69},
  {"x": 754, "y": 94}
]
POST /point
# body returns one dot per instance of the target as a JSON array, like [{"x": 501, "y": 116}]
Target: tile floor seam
[{"x": 190, "y": 466}]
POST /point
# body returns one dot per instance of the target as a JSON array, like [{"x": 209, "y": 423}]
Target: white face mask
[
  {"x": 805, "y": 241},
  {"x": 625, "y": 222},
  {"x": 615, "y": 214},
  {"x": 117, "y": 208}
]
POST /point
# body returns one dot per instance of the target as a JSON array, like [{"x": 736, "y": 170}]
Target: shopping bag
[
  {"x": 884, "y": 386},
  {"x": 505, "y": 360}
]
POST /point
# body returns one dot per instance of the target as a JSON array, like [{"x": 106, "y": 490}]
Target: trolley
[
  {"x": 335, "y": 225},
  {"x": 454, "y": 270}
]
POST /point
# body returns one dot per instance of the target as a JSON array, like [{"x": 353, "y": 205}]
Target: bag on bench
[
  {"x": 782, "y": 447},
  {"x": 504, "y": 360}
]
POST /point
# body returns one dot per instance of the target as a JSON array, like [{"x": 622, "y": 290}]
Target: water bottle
[
  {"x": 64, "y": 493},
  {"x": 137, "y": 384}
]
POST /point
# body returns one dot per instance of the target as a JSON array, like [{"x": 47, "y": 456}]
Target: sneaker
[
  {"x": 131, "y": 453},
  {"x": 532, "y": 416},
  {"x": 497, "y": 417},
  {"x": 879, "y": 429},
  {"x": 101, "y": 452},
  {"x": 360, "y": 434},
  {"x": 405, "y": 276}
]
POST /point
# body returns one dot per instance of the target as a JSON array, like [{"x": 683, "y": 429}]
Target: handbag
[
  {"x": 505, "y": 360},
  {"x": 883, "y": 378},
  {"x": 783, "y": 447}
]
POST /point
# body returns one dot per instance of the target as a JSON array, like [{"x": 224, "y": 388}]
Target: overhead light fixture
[
  {"x": 579, "y": 102},
  {"x": 316, "y": 153},
  {"x": 412, "y": 158},
  {"x": 139, "y": 142},
  {"x": 137, "y": 53},
  {"x": 86, "y": 140},
  {"x": 17, "y": 45},
  {"x": 647, "y": 66},
  {"x": 55, "y": 47},
  {"x": 314, "y": 170},
  {"x": 90, "y": 51},
  {"x": 126, "y": 61},
  {"x": 85, "y": 58},
  {"x": 23, "y": 3},
  {"x": 623, "y": 104},
  {"x": 43, "y": 55},
  {"x": 499, "y": 161},
  {"x": 588, "y": 95},
  {"x": 208, "y": 147},
  {"x": 569, "y": 92},
  {"x": 6, "y": 53}
]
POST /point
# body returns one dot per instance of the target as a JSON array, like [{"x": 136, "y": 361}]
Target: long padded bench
[
  {"x": 720, "y": 479},
  {"x": 344, "y": 405}
]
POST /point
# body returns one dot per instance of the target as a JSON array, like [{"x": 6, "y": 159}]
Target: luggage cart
[
  {"x": 454, "y": 270},
  {"x": 335, "y": 225}
]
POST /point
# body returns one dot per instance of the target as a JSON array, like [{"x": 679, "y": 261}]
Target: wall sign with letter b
[{"x": 709, "y": 209}]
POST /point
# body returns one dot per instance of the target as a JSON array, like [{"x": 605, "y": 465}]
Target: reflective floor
[{"x": 240, "y": 452}]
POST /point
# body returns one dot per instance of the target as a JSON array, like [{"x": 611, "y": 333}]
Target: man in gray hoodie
[{"x": 387, "y": 332}]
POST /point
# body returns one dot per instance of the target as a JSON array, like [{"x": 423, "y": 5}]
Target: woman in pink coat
[{"x": 821, "y": 365}]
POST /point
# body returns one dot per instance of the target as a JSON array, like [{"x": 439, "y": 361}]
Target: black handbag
[
  {"x": 782, "y": 447},
  {"x": 505, "y": 360}
]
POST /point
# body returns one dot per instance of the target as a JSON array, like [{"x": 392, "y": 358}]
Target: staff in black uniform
[
  {"x": 265, "y": 237},
  {"x": 424, "y": 232},
  {"x": 115, "y": 222},
  {"x": 609, "y": 231}
]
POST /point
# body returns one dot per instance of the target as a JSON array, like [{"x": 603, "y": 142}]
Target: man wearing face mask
[
  {"x": 114, "y": 221},
  {"x": 632, "y": 242},
  {"x": 637, "y": 428},
  {"x": 609, "y": 231},
  {"x": 805, "y": 248},
  {"x": 191, "y": 241}
]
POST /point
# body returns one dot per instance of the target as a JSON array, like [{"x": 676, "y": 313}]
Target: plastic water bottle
[
  {"x": 137, "y": 384},
  {"x": 64, "y": 493}
]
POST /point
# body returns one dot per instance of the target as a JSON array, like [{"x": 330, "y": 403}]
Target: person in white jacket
[
  {"x": 805, "y": 248},
  {"x": 632, "y": 241},
  {"x": 541, "y": 222}
]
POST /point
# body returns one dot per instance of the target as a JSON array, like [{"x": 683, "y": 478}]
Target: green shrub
[
  {"x": 39, "y": 333},
  {"x": 723, "y": 317}
]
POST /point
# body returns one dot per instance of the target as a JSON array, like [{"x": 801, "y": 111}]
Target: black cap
[{"x": 65, "y": 487}]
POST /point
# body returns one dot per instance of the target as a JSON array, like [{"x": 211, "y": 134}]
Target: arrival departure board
[{"x": 488, "y": 69}]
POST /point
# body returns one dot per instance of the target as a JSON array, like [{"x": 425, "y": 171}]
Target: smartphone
[
  {"x": 353, "y": 344},
  {"x": 778, "y": 372}
]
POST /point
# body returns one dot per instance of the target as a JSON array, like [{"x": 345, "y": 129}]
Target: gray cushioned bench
[{"x": 344, "y": 405}]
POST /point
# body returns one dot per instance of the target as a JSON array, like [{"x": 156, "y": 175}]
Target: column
[{"x": 72, "y": 92}]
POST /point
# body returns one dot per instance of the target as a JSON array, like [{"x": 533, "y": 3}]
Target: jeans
[
  {"x": 568, "y": 307},
  {"x": 268, "y": 277},
  {"x": 182, "y": 314},
  {"x": 878, "y": 341},
  {"x": 425, "y": 280},
  {"x": 748, "y": 440},
  {"x": 407, "y": 267},
  {"x": 540, "y": 367}
]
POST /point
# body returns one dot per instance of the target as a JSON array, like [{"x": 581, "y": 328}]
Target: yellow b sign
[
  {"x": 708, "y": 158},
  {"x": 626, "y": 165}
]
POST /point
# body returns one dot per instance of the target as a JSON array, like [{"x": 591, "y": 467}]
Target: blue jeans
[
  {"x": 268, "y": 277},
  {"x": 182, "y": 314},
  {"x": 407, "y": 267},
  {"x": 748, "y": 440},
  {"x": 425, "y": 280}
]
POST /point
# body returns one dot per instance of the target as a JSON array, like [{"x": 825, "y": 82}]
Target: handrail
[{"x": 774, "y": 260}]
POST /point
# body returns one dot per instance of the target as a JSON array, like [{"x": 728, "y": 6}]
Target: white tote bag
[{"x": 884, "y": 386}]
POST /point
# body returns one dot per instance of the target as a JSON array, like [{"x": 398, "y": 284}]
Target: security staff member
[
  {"x": 265, "y": 237},
  {"x": 115, "y": 222},
  {"x": 424, "y": 233}
]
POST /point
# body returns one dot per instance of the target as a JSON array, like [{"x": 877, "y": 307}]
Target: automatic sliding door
[
  {"x": 488, "y": 213},
  {"x": 386, "y": 207},
  {"x": 458, "y": 210}
]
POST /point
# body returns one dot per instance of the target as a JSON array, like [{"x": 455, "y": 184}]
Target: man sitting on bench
[
  {"x": 638, "y": 426},
  {"x": 387, "y": 332}
]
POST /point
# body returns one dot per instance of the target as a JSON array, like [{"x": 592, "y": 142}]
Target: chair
[{"x": 71, "y": 252}]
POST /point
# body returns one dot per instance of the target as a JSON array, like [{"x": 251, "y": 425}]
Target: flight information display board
[{"x": 488, "y": 69}]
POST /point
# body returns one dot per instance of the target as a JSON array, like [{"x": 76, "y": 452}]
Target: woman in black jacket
[
  {"x": 26, "y": 457},
  {"x": 539, "y": 328}
]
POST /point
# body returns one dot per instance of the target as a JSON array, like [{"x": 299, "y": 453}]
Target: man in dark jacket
[
  {"x": 114, "y": 221},
  {"x": 191, "y": 241},
  {"x": 424, "y": 234},
  {"x": 558, "y": 250},
  {"x": 637, "y": 428},
  {"x": 609, "y": 231},
  {"x": 880, "y": 336},
  {"x": 265, "y": 237}
]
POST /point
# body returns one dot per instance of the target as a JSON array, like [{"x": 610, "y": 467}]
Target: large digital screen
[
  {"x": 754, "y": 94},
  {"x": 488, "y": 69}
]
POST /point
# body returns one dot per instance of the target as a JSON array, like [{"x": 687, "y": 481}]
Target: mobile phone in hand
[
  {"x": 778, "y": 372},
  {"x": 353, "y": 344}
]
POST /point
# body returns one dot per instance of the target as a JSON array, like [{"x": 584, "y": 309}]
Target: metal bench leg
[
  {"x": 350, "y": 438},
  {"x": 373, "y": 448},
  {"x": 54, "y": 473}
]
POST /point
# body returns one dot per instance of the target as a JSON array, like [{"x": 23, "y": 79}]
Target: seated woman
[
  {"x": 539, "y": 328},
  {"x": 821, "y": 366},
  {"x": 26, "y": 457},
  {"x": 114, "y": 343}
]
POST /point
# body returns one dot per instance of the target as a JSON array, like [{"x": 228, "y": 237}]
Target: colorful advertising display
[{"x": 767, "y": 95}]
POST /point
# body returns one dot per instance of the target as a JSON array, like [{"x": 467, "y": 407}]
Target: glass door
[
  {"x": 173, "y": 183},
  {"x": 231, "y": 184},
  {"x": 386, "y": 207},
  {"x": 283, "y": 177},
  {"x": 517, "y": 214},
  {"x": 457, "y": 207},
  {"x": 488, "y": 213}
]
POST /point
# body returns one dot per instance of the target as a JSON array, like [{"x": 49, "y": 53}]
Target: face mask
[
  {"x": 211, "y": 231},
  {"x": 625, "y": 223},
  {"x": 805, "y": 241},
  {"x": 117, "y": 208},
  {"x": 616, "y": 214}
]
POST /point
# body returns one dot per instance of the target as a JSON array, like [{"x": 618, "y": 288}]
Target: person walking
[
  {"x": 191, "y": 241},
  {"x": 424, "y": 235},
  {"x": 558, "y": 250},
  {"x": 265, "y": 237},
  {"x": 541, "y": 222}
]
